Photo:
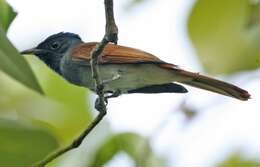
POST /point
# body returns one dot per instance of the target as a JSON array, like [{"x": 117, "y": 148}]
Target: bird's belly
[{"x": 126, "y": 77}]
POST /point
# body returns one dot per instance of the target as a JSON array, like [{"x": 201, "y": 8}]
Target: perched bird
[{"x": 123, "y": 69}]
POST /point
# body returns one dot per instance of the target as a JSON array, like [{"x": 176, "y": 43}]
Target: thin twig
[
  {"x": 110, "y": 36},
  {"x": 111, "y": 28},
  {"x": 74, "y": 144}
]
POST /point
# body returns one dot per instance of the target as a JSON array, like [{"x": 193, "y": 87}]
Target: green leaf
[
  {"x": 64, "y": 110},
  {"x": 237, "y": 160},
  {"x": 254, "y": 18},
  {"x": 75, "y": 109},
  {"x": 12, "y": 63},
  {"x": 6, "y": 14},
  {"x": 136, "y": 146},
  {"x": 221, "y": 36},
  {"x": 22, "y": 145}
]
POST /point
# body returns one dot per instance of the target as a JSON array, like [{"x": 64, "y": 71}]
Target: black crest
[{"x": 63, "y": 34}]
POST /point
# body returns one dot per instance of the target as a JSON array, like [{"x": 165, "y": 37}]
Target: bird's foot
[
  {"x": 99, "y": 105},
  {"x": 113, "y": 95}
]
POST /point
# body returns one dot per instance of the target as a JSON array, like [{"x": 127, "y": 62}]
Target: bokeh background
[{"x": 199, "y": 129}]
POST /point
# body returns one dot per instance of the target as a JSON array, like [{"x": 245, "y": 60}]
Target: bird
[{"x": 123, "y": 70}]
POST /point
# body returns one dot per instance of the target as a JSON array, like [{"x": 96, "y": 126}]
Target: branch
[
  {"x": 111, "y": 28},
  {"x": 110, "y": 36},
  {"x": 75, "y": 144}
]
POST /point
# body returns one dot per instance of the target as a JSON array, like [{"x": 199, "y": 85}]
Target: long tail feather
[{"x": 207, "y": 83}]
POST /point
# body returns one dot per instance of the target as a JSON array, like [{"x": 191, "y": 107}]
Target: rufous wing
[{"x": 115, "y": 54}]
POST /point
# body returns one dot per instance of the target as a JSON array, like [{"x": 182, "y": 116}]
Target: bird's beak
[{"x": 32, "y": 51}]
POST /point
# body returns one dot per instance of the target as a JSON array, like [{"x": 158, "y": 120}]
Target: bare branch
[
  {"x": 110, "y": 36},
  {"x": 111, "y": 28},
  {"x": 74, "y": 144}
]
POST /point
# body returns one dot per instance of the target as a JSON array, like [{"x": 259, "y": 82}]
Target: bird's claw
[
  {"x": 99, "y": 105},
  {"x": 114, "y": 94}
]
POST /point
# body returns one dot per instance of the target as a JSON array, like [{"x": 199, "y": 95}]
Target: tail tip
[{"x": 245, "y": 96}]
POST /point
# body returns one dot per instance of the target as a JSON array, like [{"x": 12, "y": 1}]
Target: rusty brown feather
[{"x": 116, "y": 54}]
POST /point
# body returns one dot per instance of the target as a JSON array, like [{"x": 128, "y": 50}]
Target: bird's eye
[{"x": 55, "y": 45}]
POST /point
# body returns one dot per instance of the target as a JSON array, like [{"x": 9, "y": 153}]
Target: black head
[{"x": 52, "y": 49}]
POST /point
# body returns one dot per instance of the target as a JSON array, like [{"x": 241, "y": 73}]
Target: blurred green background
[{"x": 225, "y": 35}]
